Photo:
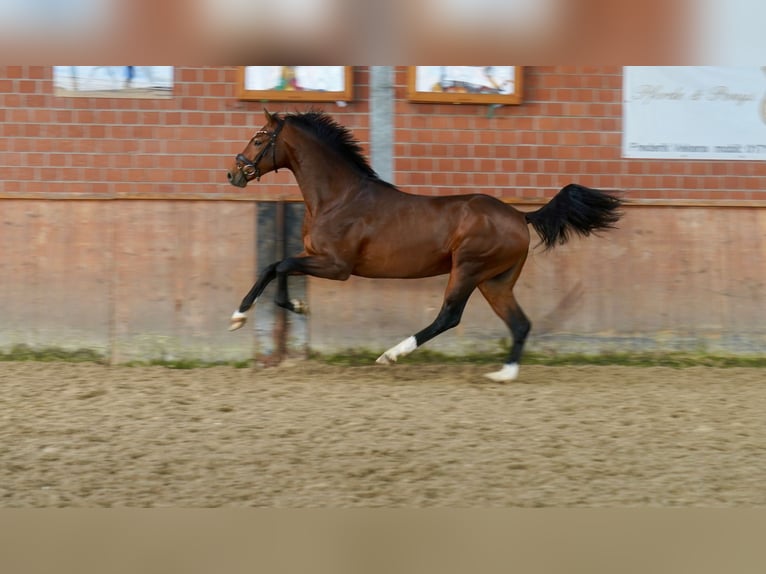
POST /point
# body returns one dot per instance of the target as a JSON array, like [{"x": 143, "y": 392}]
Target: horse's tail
[{"x": 577, "y": 209}]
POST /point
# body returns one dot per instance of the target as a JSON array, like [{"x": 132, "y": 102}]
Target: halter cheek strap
[{"x": 251, "y": 167}]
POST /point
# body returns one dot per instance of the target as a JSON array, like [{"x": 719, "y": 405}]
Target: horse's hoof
[
  {"x": 299, "y": 307},
  {"x": 509, "y": 372},
  {"x": 237, "y": 320},
  {"x": 403, "y": 348}
]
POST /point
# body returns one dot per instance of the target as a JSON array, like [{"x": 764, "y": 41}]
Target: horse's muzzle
[{"x": 236, "y": 178}]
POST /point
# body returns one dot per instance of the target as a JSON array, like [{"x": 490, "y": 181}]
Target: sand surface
[{"x": 314, "y": 435}]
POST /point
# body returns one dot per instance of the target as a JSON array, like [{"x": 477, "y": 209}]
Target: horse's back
[
  {"x": 482, "y": 214},
  {"x": 406, "y": 235}
]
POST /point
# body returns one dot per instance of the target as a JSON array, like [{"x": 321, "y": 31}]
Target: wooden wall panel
[
  {"x": 55, "y": 266},
  {"x": 181, "y": 269},
  {"x": 143, "y": 279},
  {"x": 669, "y": 279},
  {"x": 133, "y": 280}
]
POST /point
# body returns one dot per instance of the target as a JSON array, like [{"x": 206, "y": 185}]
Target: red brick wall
[
  {"x": 116, "y": 146},
  {"x": 567, "y": 129}
]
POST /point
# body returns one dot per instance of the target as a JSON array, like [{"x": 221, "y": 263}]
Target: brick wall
[{"x": 567, "y": 129}]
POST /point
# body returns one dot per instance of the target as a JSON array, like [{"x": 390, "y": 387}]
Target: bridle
[{"x": 249, "y": 168}]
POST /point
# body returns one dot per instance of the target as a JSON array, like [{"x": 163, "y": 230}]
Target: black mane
[{"x": 334, "y": 135}]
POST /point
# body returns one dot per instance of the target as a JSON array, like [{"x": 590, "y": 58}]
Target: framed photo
[
  {"x": 289, "y": 83},
  {"x": 113, "y": 81},
  {"x": 465, "y": 84}
]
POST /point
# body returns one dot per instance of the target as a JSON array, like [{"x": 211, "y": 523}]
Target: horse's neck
[{"x": 323, "y": 179}]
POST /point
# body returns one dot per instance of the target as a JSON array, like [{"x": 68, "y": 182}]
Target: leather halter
[{"x": 250, "y": 168}]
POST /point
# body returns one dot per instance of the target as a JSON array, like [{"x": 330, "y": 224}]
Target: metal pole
[{"x": 382, "y": 121}]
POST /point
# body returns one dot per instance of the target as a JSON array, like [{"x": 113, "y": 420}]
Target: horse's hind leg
[
  {"x": 459, "y": 289},
  {"x": 498, "y": 291}
]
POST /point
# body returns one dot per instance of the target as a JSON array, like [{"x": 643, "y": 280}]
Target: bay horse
[{"x": 357, "y": 224}]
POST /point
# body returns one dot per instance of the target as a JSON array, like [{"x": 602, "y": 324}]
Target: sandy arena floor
[{"x": 313, "y": 435}]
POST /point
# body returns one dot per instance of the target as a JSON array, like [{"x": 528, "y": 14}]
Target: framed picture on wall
[
  {"x": 289, "y": 83},
  {"x": 465, "y": 84},
  {"x": 113, "y": 81}
]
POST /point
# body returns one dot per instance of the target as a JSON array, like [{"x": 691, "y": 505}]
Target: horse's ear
[{"x": 271, "y": 117}]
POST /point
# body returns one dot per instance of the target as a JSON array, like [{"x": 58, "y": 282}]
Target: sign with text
[{"x": 690, "y": 112}]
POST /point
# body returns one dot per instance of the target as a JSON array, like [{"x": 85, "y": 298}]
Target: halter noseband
[{"x": 250, "y": 168}]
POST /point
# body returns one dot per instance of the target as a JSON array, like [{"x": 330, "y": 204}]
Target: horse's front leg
[
  {"x": 239, "y": 316},
  {"x": 322, "y": 266},
  {"x": 283, "y": 299}
]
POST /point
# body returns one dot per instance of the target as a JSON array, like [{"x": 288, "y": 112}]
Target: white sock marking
[
  {"x": 237, "y": 320},
  {"x": 299, "y": 307},
  {"x": 403, "y": 348},
  {"x": 509, "y": 372}
]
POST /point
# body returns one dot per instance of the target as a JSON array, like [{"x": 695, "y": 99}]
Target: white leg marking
[
  {"x": 237, "y": 320},
  {"x": 299, "y": 307},
  {"x": 403, "y": 348},
  {"x": 508, "y": 373}
]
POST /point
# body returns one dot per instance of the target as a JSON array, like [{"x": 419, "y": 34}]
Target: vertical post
[
  {"x": 382, "y": 121},
  {"x": 280, "y": 314},
  {"x": 277, "y": 333},
  {"x": 257, "y": 211}
]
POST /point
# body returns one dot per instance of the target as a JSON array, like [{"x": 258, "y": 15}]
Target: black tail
[{"x": 577, "y": 209}]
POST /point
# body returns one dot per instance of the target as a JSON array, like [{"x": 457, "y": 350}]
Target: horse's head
[{"x": 261, "y": 155}]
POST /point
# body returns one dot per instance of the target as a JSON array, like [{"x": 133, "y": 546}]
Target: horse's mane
[{"x": 332, "y": 134}]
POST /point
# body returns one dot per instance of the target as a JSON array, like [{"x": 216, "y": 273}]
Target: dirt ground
[{"x": 314, "y": 435}]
